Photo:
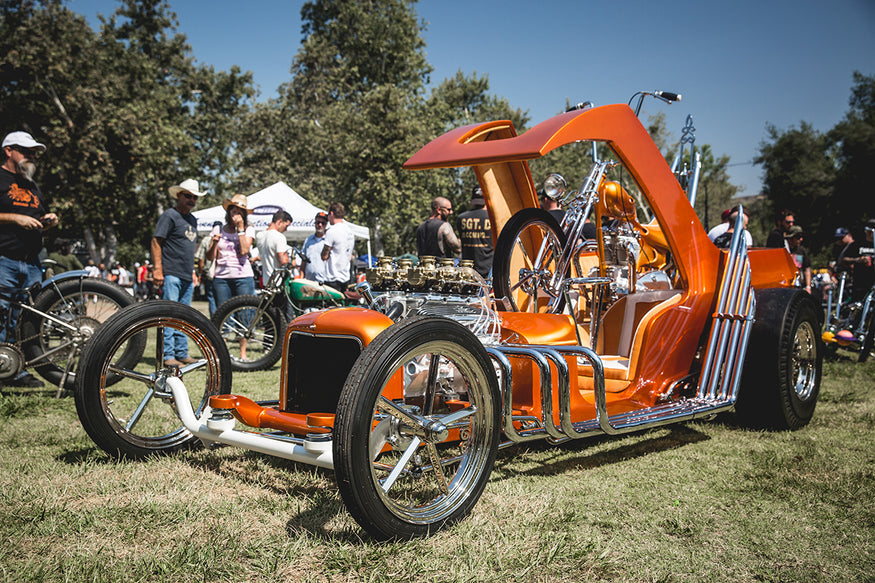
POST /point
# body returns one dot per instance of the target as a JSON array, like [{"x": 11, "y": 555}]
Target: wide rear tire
[{"x": 782, "y": 370}]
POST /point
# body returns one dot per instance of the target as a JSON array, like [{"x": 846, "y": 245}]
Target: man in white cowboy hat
[
  {"x": 23, "y": 216},
  {"x": 173, "y": 246}
]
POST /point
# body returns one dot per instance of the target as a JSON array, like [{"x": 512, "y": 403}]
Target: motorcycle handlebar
[{"x": 668, "y": 95}]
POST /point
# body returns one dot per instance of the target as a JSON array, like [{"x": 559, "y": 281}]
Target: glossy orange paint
[
  {"x": 362, "y": 323},
  {"x": 252, "y": 414},
  {"x": 672, "y": 337}
]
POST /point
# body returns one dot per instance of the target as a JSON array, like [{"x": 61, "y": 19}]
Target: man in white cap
[
  {"x": 23, "y": 216},
  {"x": 173, "y": 246}
]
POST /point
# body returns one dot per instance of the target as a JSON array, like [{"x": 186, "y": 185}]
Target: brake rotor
[{"x": 11, "y": 361}]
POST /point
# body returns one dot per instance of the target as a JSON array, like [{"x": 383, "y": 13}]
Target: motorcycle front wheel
[
  {"x": 527, "y": 255},
  {"x": 869, "y": 339},
  {"x": 84, "y": 305},
  {"x": 135, "y": 417},
  {"x": 252, "y": 332}
]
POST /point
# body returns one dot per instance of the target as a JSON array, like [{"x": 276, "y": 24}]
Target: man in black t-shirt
[
  {"x": 435, "y": 235},
  {"x": 23, "y": 216},
  {"x": 475, "y": 233},
  {"x": 786, "y": 219},
  {"x": 793, "y": 237}
]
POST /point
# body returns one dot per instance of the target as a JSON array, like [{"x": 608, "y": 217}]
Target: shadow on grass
[
  {"x": 314, "y": 487},
  {"x": 321, "y": 512},
  {"x": 91, "y": 455},
  {"x": 564, "y": 460}
]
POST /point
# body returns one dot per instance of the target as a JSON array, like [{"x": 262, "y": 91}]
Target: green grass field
[{"x": 703, "y": 501}]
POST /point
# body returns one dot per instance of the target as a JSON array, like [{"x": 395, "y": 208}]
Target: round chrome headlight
[{"x": 554, "y": 186}]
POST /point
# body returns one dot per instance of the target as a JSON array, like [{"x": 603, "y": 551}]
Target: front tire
[
  {"x": 85, "y": 304},
  {"x": 262, "y": 341},
  {"x": 397, "y": 479},
  {"x": 527, "y": 254},
  {"x": 134, "y": 419},
  {"x": 782, "y": 370}
]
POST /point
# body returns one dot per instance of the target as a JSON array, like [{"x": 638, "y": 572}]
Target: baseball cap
[
  {"x": 23, "y": 139},
  {"x": 793, "y": 231},
  {"x": 840, "y": 232},
  {"x": 477, "y": 196},
  {"x": 320, "y": 216}
]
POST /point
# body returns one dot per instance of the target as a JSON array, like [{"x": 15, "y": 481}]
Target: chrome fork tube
[
  {"x": 590, "y": 191},
  {"x": 867, "y": 305}
]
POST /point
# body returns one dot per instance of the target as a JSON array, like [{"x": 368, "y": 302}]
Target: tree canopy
[
  {"x": 124, "y": 112},
  {"x": 127, "y": 112},
  {"x": 824, "y": 177}
]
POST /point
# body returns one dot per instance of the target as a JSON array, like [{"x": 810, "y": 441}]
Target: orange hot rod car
[{"x": 409, "y": 399}]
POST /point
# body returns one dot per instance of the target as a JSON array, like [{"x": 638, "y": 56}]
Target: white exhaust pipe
[{"x": 210, "y": 429}]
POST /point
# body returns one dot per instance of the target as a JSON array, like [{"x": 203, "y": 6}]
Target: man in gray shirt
[{"x": 173, "y": 246}]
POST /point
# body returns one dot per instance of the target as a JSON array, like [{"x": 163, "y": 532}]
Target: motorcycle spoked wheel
[
  {"x": 86, "y": 304},
  {"x": 133, "y": 419},
  {"x": 530, "y": 242},
  {"x": 263, "y": 342},
  {"x": 397, "y": 482}
]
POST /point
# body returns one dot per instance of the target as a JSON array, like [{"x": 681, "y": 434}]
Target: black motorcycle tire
[
  {"x": 869, "y": 340},
  {"x": 505, "y": 283},
  {"x": 268, "y": 332},
  {"x": 86, "y": 303}
]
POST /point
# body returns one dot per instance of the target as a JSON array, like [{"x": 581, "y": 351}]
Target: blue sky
[{"x": 739, "y": 64}]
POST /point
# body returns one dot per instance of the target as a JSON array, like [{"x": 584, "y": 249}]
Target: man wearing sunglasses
[
  {"x": 173, "y": 246},
  {"x": 23, "y": 216},
  {"x": 316, "y": 269}
]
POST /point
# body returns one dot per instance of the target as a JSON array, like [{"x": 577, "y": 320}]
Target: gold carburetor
[{"x": 427, "y": 277}]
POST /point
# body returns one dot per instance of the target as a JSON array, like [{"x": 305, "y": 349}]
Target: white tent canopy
[{"x": 265, "y": 203}]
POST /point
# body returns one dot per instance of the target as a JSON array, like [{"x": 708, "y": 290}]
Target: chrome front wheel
[
  {"x": 417, "y": 429},
  {"x": 135, "y": 417}
]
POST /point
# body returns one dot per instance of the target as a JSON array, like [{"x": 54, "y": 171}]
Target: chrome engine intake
[{"x": 433, "y": 288}]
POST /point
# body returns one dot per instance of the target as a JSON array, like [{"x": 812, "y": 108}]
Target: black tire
[
  {"x": 85, "y": 303},
  {"x": 134, "y": 419},
  {"x": 414, "y": 504},
  {"x": 264, "y": 341},
  {"x": 514, "y": 253},
  {"x": 782, "y": 370}
]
